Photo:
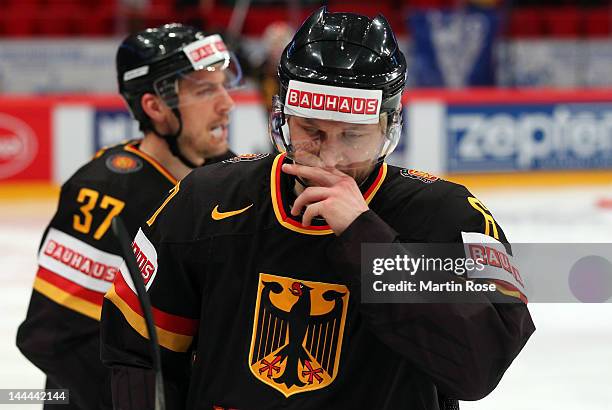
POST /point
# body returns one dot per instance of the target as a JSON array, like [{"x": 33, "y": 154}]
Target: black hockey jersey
[
  {"x": 268, "y": 311},
  {"x": 78, "y": 260}
]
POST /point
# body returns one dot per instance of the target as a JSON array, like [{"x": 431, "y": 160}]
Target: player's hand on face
[{"x": 333, "y": 196}]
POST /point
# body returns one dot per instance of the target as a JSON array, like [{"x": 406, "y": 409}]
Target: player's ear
[{"x": 153, "y": 106}]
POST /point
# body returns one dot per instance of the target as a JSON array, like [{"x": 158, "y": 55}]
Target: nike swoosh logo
[{"x": 218, "y": 215}]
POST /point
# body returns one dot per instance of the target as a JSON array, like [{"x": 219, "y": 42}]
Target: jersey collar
[
  {"x": 133, "y": 148},
  {"x": 281, "y": 198}
]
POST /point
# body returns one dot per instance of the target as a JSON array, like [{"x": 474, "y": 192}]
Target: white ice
[{"x": 567, "y": 364}]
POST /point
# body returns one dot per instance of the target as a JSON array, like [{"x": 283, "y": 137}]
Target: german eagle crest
[{"x": 297, "y": 333}]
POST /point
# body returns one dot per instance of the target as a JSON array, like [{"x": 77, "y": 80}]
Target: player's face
[
  {"x": 350, "y": 148},
  {"x": 205, "y": 108}
]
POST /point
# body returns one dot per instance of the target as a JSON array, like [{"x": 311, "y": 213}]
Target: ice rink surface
[{"x": 567, "y": 364}]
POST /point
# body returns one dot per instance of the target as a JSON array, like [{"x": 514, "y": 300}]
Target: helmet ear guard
[
  {"x": 393, "y": 132},
  {"x": 275, "y": 126}
]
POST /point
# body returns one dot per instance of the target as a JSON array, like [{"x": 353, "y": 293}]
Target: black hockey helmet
[
  {"x": 344, "y": 54},
  {"x": 153, "y": 60}
]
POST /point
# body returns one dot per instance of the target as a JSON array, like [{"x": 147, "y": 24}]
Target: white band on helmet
[
  {"x": 207, "y": 51},
  {"x": 327, "y": 102}
]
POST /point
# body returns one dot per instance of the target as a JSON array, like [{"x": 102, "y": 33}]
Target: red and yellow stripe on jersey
[
  {"x": 74, "y": 274},
  {"x": 173, "y": 332},
  {"x": 509, "y": 290},
  {"x": 68, "y": 294},
  {"x": 294, "y": 225}
]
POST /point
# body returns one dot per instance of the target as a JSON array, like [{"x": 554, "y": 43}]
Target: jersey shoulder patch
[
  {"x": 422, "y": 176},
  {"x": 245, "y": 157},
  {"x": 123, "y": 163}
]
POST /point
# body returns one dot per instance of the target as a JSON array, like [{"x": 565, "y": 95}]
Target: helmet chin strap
[
  {"x": 288, "y": 148},
  {"x": 172, "y": 140},
  {"x": 298, "y": 179}
]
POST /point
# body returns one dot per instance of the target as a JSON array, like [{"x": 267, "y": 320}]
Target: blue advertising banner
[
  {"x": 111, "y": 126},
  {"x": 509, "y": 137},
  {"x": 453, "y": 49}
]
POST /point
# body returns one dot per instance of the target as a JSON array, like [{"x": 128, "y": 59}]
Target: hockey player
[
  {"x": 175, "y": 80},
  {"x": 253, "y": 265}
]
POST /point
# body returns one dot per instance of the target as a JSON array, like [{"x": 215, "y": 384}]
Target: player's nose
[
  {"x": 225, "y": 103},
  {"x": 330, "y": 153}
]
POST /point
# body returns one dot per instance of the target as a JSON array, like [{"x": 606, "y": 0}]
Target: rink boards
[{"x": 491, "y": 134}]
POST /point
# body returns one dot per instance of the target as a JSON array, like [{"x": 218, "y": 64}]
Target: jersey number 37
[{"x": 89, "y": 198}]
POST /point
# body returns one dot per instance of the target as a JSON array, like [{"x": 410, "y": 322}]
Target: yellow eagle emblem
[{"x": 297, "y": 333}]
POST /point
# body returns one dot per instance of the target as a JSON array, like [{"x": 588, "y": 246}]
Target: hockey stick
[{"x": 121, "y": 233}]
